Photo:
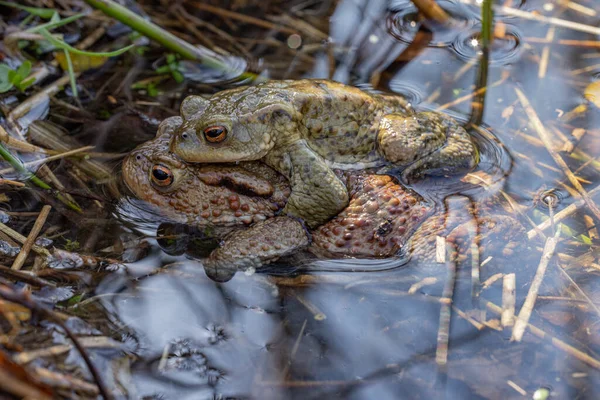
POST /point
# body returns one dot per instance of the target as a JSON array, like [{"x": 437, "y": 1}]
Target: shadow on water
[{"x": 340, "y": 331}]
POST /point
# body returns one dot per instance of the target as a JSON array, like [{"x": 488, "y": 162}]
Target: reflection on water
[{"x": 377, "y": 335}]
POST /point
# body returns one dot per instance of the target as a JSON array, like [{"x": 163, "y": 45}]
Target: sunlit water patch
[{"x": 504, "y": 51}]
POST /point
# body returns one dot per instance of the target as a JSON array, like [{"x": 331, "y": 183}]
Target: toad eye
[
  {"x": 162, "y": 176},
  {"x": 215, "y": 134}
]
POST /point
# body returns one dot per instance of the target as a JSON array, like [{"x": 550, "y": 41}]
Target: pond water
[{"x": 364, "y": 329}]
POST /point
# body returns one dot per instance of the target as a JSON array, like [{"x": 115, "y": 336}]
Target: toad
[
  {"x": 306, "y": 128},
  {"x": 382, "y": 219}
]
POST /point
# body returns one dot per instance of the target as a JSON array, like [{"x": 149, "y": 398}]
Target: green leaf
[
  {"x": 71, "y": 74},
  {"x": 52, "y": 25},
  {"x": 178, "y": 76},
  {"x": 45, "y": 13},
  {"x": 22, "y": 86},
  {"x": 64, "y": 46},
  {"x": 24, "y": 69},
  {"x": 5, "y": 83},
  {"x": 165, "y": 69},
  {"x": 13, "y": 77},
  {"x": 585, "y": 239}
]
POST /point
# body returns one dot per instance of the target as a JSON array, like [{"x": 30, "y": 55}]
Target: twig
[
  {"x": 12, "y": 183},
  {"x": 18, "y": 144},
  {"x": 559, "y": 344},
  {"x": 33, "y": 234},
  {"x": 525, "y": 313},
  {"x": 581, "y": 292},
  {"x": 508, "y": 300},
  {"x": 431, "y": 10},
  {"x": 441, "y": 351},
  {"x": 559, "y": 216},
  {"x": 545, "y": 137},
  {"x": 241, "y": 17},
  {"x": 537, "y": 17},
  {"x": 294, "y": 350},
  {"x": 24, "y": 299},
  {"x": 67, "y": 382},
  {"x": 21, "y": 239},
  {"x": 473, "y": 94}
]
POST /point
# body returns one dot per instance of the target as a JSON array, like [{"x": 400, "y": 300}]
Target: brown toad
[{"x": 305, "y": 128}]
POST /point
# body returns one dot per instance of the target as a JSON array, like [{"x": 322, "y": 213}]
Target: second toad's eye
[
  {"x": 162, "y": 176},
  {"x": 215, "y": 134}
]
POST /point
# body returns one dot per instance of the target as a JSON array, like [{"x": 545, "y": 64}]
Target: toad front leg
[
  {"x": 426, "y": 143},
  {"x": 317, "y": 193},
  {"x": 260, "y": 244}
]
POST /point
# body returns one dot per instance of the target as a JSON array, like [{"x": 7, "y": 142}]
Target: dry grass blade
[
  {"x": 561, "y": 215},
  {"x": 36, "y": 163},
  {"x": 21, "y": 239},
  {"x": 441, "y": 352},
  {"x": 545, "y": 137},
  {"x": 559, "y": 344},
  {"x": 35, "y": 231},
  {"x": 241, "y": 17},
  {"x": 525, "y": 313}
]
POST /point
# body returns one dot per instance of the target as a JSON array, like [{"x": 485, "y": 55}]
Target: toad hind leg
[
  {"x": 317, "y": 193},
  {"x": 426, "y": 143},
  {"x": 260, "y": 244}
]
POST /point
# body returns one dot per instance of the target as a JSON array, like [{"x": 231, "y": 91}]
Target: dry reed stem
[
  {"x": 36, "y": 163},
  {"x": 545, "y": 137},
  {"x": 241, "y": 17},
  {"x": 525, "y": 313},
  {"x": 559, "y": 344},
  {"x": 294, "y": 350},
  {"x": 546, "y": 54},
  {"x": 516, "y": 387},
  {"x": 561, "y": 215},
  {"x": 21, "y": 239},
  {"x": 17, "y": 144},
  {"x": 432, "y": 11},
  {"x": 565, "y": 42},
  {"x": 581, "y": 9},
  {"x": 20, "y": 388},
  {"x": 12, "y": 183},
  {"x": 475, "y": 93},
  {"x": 68, "y": 382},
  {"x": 33, "y": 234},
  {"x": 579, "y": 289},
  {"x": 441, "y": 351},
  {"x": 508, "y": 300},
  {"x": 513, "y": 12},
  {"x": 46, "y": 92},
  {"x": 478, "y": 325}
]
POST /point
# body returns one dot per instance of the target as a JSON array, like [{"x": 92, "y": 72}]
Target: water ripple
[{"x": 504, "y": 51}]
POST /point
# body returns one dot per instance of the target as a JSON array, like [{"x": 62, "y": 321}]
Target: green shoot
[
  {"x": 16, "y": 163},
  {"x": 45, "y": 13},
  {"x": 172, "y": 68},
  {"x": 10, "y": 78}
]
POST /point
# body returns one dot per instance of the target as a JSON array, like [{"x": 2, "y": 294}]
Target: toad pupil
[
  {"x": 215, "y": 134},
  {"x": 162, "y": 176}
]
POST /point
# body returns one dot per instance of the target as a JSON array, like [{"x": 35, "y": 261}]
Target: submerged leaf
[
  {"x": 592, "y": 93},
  {"x": 81, "y": 63}
]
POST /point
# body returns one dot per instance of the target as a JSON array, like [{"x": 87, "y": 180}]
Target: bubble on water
[{"x": 504, "y": 51}]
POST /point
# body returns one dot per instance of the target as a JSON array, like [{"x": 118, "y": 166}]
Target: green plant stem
[
  {"x": 19, "y": 167},
  {"x": 487, "y": 20},
  {"x": 159, "y": 35}
]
